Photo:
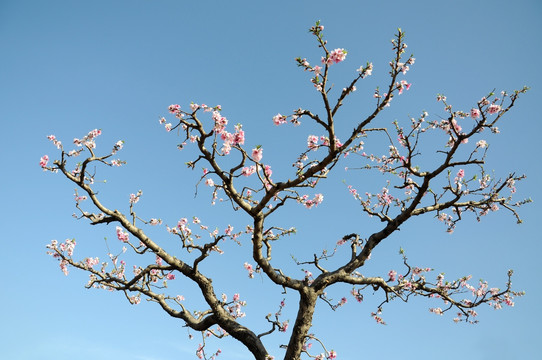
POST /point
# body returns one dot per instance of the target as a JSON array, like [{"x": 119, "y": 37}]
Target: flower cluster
[
  {"x": 122, "y": 235},
  {"x": 234, "y": 307},
  {"x": 89, "y": 139},
  {"x": 310, "y": 203},
  {"x": 334, "y": 57},
  {"x": 250, "y": 269},
  {"x": 134, "y": 198},
  {"x": 44, "y": 160},
  {"x": 55, "y": 141},
  {"x": 56, "y": 251}
]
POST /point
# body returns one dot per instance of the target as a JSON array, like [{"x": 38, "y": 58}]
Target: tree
[{"x": 455, "y": 187}]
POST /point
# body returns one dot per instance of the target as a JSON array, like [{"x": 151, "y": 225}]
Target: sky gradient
[{"x": 68, "y": 67}]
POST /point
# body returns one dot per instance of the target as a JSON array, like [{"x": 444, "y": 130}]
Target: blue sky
[{"x": 68, "y": 67}]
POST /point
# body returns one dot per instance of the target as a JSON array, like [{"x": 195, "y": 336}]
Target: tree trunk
[{"x": 303, "y": 323}]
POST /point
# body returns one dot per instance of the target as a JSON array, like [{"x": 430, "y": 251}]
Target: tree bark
[{"x": 303, "y": 323}]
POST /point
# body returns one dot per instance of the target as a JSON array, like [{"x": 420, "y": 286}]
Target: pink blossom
[
  {"x": 220, "y": 122},
  {"x": 174, "y": 108},
  {"x": 121, "y": 235},
  {"x": 475, "y": 113},
  {"x": 493, "y": 108},
  {"x": 64, "y": 267},
  {"x": 461, "y": 173},
  {"x": 309, "y": 204},
  {"x": 392, "y": 274},
  {"x": 228, "y": 230},
  {"x": 284, "y": 326},
  {"x": 481, "y": 144},
  {"x": 250, "y": 269},
  {"x": 68, "y": 246},
  {"x": 247, "y": 171},
  {"x": 134, "y": 198},
  {"x": 43, "y": 161},
  {"x": 403, "y": 85},
  {"x": 235, "y": 297},
  {"x": 357, "y": 295},
  {"x": 90, "y": 262},
  {"x": 257, "y": 154},
  {"x": 336, "y": 56},
  {"x": 209, "y": 182},
  {"x": 158, "y": 260},
  {"x": 267, "y": 170},
  {"x": 318, "y": 198},
  {"x": 170, "y": 276},
  {"x": 279, "y": 119},
  {"x": 155, "y": 222},
  {"x": 239, "y": 136},
  {"x": 332, "y": 355},
  {"x": 56, "y": 142},
  {"x": 80, "y": 198},
  {"x": 437, "y": 311},
  {"x": 312, "y": 142}
]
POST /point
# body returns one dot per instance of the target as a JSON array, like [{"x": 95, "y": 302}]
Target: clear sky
[{"x": 67, "y": 67}]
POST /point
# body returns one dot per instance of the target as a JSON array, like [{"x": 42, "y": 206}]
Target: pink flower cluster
[
  {"x": 56, "y": 142},
  {"x": 377, "y": 317},
  {"x": 89, "y": 139},
  {"x": 475, "y": 113},
  {"x": 330, "y": 356},
  {"x": 118, "y": 146},
  {"x": 384, "y": 198},
  {"x": 78, "y": 198},
  {"x": 404, "y": 67},
  {"x": 357, "y": 295},
  {"x": 220, "y": 122},
  {"x": 437, "y": 311},
  {"x": 67, "y": 247},
  {"x": 168, "y": 126},
  {"x": 402, "y": 85},
  {"x": 43, "y": 162},
  {"x": 279, "y": 119},
  {"x": 90, "y": 262},
  {"x": 493, "y": 108},
  {"x": 155, "y": 222},
  {"x": 134, "y": 198},
  {"x": 365, "y": 71},
  {"x": 334, "y": 57},
  {"x": 458, "y": 178},
  {"x": 122, "y": 235},
  {"x": 310, "y": 203},
  {"x": 237, "y": 138},
  {"x": 248, "y": 170},
  {"x": 234, "y": 308},
  {"x": 250, "y": 270},
  {"x": 392, "y": 275},
  {"x": 174, "y": 108},
  {"x": 257, "y": 154},
  {"x": 312, "y": 142}
]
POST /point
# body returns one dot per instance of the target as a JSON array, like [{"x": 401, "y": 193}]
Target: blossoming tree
[{"x": 456, "y": 187}]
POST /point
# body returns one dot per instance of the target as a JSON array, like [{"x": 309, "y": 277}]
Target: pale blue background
[{"x": 67, "y": 67}]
